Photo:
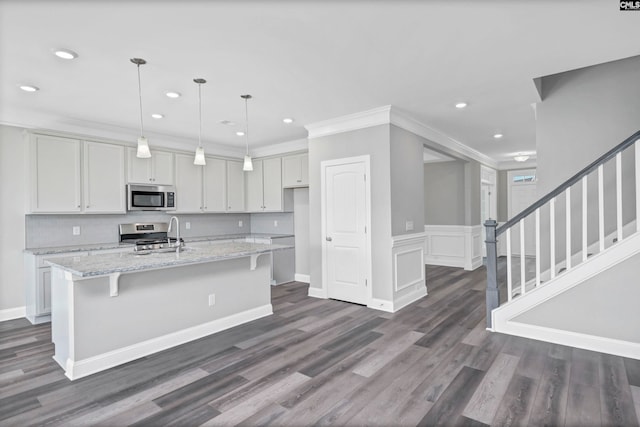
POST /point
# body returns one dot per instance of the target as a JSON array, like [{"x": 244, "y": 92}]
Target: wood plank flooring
[{"x": 325, "y": 362}]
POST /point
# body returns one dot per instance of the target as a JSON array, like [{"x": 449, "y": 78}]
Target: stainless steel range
[{"x": 149, "y": 237}]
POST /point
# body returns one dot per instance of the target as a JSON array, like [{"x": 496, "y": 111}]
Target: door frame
[{"x": 366, "y": 159}]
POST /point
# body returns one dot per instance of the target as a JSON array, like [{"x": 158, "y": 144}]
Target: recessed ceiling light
[
  {"x": 498, "y": 135},
  {"x": 29, "y": 88},
  {"x": 240, "y": 133},
  {"x": 65, "y": 53},
  {"x": 287, "y": 120},
  {"x": 227, "y": 122},
  {"x": 173, "y": 94},
  {"x": 461, "y": 105},
  {"x": 157, "y": 116},
  {"x": 521, "y": 157}
]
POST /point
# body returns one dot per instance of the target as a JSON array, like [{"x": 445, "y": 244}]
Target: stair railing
[{"x": 493, "y": 231}]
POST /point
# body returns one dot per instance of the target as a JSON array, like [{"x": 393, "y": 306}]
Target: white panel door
[
  {"x": 104, "y": 186},
  {"x": 345, "y": 227},
  {"x": 188, "y": 184}
]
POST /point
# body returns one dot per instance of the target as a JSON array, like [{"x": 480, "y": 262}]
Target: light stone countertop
[
  {"x": 105, "y": 264},
  {"x": 51, "y": 250}
]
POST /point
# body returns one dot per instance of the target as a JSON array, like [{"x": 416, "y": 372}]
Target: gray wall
[
  {"x": 373, "y": 141},
  {"x": 407, "y": 181},
  {"x": 301, "y": 229},
  {"x": 583, "y": 114},
  {"x": 472, "y": 178},
  {"x": 13, "y": 191},
  {"x": 502, "y": 185},
  {"x": 265, "y": 223},
  {"x": 444, "y": 193}
]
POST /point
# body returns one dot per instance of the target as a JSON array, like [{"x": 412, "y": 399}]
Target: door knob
[{"x": 328, "y": 239}]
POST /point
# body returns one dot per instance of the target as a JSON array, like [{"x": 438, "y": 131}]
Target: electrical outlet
[
  {"x": 212, "y": 300},
  {"x": 409, "y": 226},
  {"x": 275, "y": 223},
  {"x": 239, "y": 223},
  {"x": 76, "y": 230},
  {"x": 187, "y": 225}
]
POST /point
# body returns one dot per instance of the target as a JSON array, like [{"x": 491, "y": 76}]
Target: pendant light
[
  {"x": 143, "y": 145},
  {"x": 199, "y": 158},
  {"x": 248, "y": 164}
]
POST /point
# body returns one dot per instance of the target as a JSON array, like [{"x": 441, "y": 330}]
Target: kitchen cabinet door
[
  {"x": 235, "y": 186},
  {"x": 55, "y": 174},
  {"x": 215, "y": 185},
  {"x": 188, "y": 185},
  {"x": 295, "y": 171},
  {"x": 272, "y": 184},
  {"x": 255, "y": 201},
  {"x": 43, "y": 292},
  {"x": 162, "y": 167},
  {"x": 104, "y": 178},
  {"x": 155, "y": 170}
]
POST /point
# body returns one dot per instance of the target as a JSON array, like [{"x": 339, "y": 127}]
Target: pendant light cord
[
  {"x": 200, "y": 115},
  {"x": 140, "y": 96},
  {"x": 246, "y": 124}
]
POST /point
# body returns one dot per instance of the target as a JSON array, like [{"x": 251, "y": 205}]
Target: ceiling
[{"x": 309, "y": 60}]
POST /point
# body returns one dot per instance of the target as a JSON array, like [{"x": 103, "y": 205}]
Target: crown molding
[
  {"x": 350, "y": 122},
  {"x": 281, "y": 148},
  {"x": 513, "y": 165}
]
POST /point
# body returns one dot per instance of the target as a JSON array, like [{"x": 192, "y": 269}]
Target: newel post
[{"x": 493, "y": 294}]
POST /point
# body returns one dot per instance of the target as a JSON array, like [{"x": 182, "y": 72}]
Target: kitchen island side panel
[{"x": 157, "y": 305}]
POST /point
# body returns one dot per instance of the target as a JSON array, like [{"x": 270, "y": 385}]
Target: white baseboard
[
  {"x": 82, "y": 368},
  {"x": 381, "y": 304},
  {"x": 304, "y": 278},
  {"x": 409, "y": 298},
  {"x": 317, "y": 293},
  {"x": 573, "y": 339},
  {"x": 13, "y": 313}
]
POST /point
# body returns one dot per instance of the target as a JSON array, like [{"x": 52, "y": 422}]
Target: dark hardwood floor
[{"x": 325, "y": 362}]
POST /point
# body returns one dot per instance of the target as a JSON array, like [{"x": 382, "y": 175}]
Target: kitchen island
[{"x": 113, "y": 308}]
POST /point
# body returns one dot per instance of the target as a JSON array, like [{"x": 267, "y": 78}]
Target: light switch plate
[
  {"x": 187, "y": 226},
  {"x": 239, "y": 223},
  {"x": 76, "y": 230},
  {"x": 409, "y": 226},
  {"x": 275, "y": 223}
]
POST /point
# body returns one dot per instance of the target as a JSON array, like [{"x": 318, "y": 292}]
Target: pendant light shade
[
  {"x": 199, "y": 157},
  {"x": 143, "y": 144},
  {"x": 248, "y": 164}
]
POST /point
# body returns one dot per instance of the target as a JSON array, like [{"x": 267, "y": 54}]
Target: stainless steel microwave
[{"x": 141, "y": 197}]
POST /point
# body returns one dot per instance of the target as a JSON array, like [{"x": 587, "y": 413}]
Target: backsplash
[{"x": 57, "y": 230}]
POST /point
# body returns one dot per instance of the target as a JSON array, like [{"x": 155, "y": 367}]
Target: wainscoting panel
[
  {"x": 408, "y": 269},
  {"x": 454, "y": 246}
]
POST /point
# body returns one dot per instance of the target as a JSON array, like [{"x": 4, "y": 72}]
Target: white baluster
[
  {"x": 601, "y": 207},
  {"x": 537, "y": 247},
  {"x": 584, "y": 218},
  {"x": 568, "y": 233},
  {"x": 637, "y": 159},
  {"x": 619, "y": 195},
  {"x": 552, "y": 236},
  {"x": 522, "y": 264},
  {"x": 509, "y": 283}
]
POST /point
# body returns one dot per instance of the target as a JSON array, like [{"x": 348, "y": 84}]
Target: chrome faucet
[{"x": 177, "y": 232}]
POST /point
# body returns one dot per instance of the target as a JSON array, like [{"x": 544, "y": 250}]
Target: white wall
[
  {"x": 301, "y": 229},
  {"x": 13, "y": 192},
  {"x": 373, "y": 141}
]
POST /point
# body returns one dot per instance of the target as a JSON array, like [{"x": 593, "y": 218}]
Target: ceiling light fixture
[
  {"x": 498, "y": 135},
  {"x": 240, "y": 133},
  {"x": 173, "y": 94},
  {"x": 461, "y": 105},
  {"x": 248, "y": 164},
  {"x": 287, "y": 120},
  {"x": 199, "y": 158},
  {"x": 157, "y": 116},
  {"x": 29, "y": 88},
  {"x": 521, "y": 157},
  {"x": 227, "y": 122},
  {"x": 143, "y": 145},
  {"x": 65, "y": 53}
]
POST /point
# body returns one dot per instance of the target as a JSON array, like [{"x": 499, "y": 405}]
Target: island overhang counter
[{"x": 114, "y": 308}]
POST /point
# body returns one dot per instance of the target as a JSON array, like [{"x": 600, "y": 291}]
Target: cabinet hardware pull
[
  {"x": 299, "y": 180},
  {"x": 328, "y": 239}
]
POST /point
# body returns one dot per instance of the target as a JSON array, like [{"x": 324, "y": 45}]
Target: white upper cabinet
[
  {"x": 55, "y": 177},
  {"x": 155, "y": 170},
  {"x": 188, "y": 185},
  {"x": 235, "y": 186},
  {"x": 295, "y": 171},
  {"x": 104, "y": 178},
  {"x": 215, "y": 185},
  {"x": 264, "y": 186}
]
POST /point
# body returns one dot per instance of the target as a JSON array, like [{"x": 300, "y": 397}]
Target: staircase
[{"x": 581, "y": 286}]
